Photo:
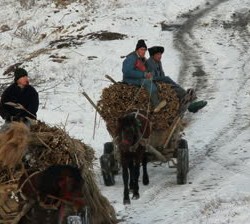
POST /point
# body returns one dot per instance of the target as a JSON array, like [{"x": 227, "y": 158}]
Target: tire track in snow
[
  {"x": 189, "y": 47},
  {"x": 191, "y": 60},
  {"x": 238, "y": 126}
]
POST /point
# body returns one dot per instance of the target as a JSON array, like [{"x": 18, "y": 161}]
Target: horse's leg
[
  {"x": 125, "y": 177},
  {"x": 136, "y": 172},
  {"x": 145, "y": 178},
  {"x": 131, "y": 176}
]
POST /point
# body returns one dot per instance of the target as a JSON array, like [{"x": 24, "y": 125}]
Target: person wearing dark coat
[
  {"x": 154, "y": 66},
  {"x": 22, "y": 93},
  {"x": 135, "y": 73}
]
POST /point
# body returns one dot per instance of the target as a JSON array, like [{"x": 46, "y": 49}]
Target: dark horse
[
  {"x": 133, "y": 133},
  {"x": 56, "y": 193}
]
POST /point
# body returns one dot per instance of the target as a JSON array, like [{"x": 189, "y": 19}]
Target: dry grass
[
  {"x": 52, "y": 145},
  {"x": 13, "y": 144}
]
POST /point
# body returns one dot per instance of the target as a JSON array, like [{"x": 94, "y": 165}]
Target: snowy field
[{"x": 206, "y": 47}]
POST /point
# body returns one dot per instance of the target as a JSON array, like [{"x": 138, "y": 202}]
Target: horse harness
[
  {"x": 143, "y": 130},
  {"x": 49, "y": 201}
]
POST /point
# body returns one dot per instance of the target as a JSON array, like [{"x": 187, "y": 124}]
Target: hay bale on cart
[
  {"x": 47, "y": 146},
  {"x": 165, "y": 141}
]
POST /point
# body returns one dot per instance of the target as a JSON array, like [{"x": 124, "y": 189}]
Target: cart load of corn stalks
[
  {"x": 41, "y": 147},
  {"x": 120, "y": 98}
]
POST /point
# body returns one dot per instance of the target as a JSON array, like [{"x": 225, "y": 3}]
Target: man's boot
[{"x": 196, "y": 106}]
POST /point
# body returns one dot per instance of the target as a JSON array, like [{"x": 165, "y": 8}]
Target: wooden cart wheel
[
  {"x": 182, "y": 162},
  {"x": 108, "y": 147},
  {"x": 107, "y": 171}
]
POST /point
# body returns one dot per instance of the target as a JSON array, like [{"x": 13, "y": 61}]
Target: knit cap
[
  {"x": 140, "y": 44},
  {"x": 19, "y": 73}
]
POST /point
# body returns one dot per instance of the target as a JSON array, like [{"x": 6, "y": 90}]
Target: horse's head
[
  {"x": 128, "y": 130},
  {"x": 60, "y": 180},
  {"x": 57, "y": 183}
]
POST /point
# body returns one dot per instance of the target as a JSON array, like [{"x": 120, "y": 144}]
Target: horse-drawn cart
[
  {"x": 165, "y": 142},
  {"x": 166, "y": 146}
]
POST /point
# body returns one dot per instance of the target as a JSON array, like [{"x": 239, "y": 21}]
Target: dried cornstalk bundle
[
  {"x": 50, "y": 146},
  {"x": 53, "y": 145},
  {"x": 119, "y": 98}
]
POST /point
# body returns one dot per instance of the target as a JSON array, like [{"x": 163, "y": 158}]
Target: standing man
[
  {"x": 22, "y": 94},
  {"x": 135, "y": 73},
  {"x": 154, "y": 66}
]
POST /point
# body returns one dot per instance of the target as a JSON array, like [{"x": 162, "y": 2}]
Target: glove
[
  {"x": 18, "y": 117},
  {"x": 15, "y": 118}
]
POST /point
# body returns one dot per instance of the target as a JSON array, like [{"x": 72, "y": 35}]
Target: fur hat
[
  {"x": 140, "y": 44},
  {"x": 156, "y": 49},
  {"x": 19, "y": 73}
]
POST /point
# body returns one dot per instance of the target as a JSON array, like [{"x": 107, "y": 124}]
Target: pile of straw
[
  {"x": 52, "y": 145},
  {"x": 119, "y": 98},
  {"x": 13, "y": 143}
]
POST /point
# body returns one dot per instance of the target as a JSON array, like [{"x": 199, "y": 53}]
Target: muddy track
[
  {"x": 192, "y": 64},
  {"x": 239, "y": 121},
  {"x": 191, "y": 60}
]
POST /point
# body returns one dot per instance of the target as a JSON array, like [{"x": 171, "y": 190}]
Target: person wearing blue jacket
[
  {"x": 135, "y": 72},
  {"x": 154, "y": 66}
]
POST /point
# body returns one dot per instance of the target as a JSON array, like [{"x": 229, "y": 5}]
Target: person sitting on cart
[
  {"x": 20, "y": 100},
  {"x": 154, "y": 65},
  {"x": 135, "y": 73}
]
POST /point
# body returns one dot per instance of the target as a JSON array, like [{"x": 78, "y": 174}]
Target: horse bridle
[
  {"x": 28, "y": 179},
  {"x": 133, "y": 147}
]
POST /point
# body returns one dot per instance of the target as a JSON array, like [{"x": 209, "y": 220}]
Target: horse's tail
[{"x": 13, "y": 144}]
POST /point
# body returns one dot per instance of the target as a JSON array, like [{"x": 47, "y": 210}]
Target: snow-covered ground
[{"x": 206, "y": 47}]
